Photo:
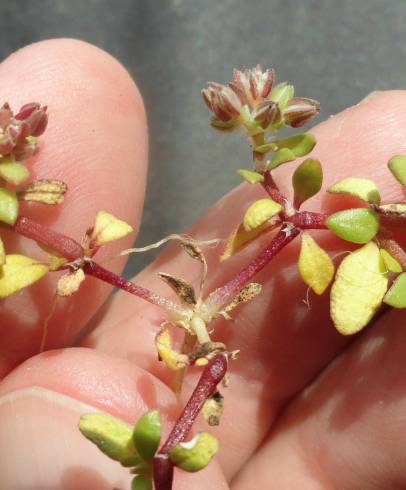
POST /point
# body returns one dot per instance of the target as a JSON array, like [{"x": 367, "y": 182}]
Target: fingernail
[{"x": 42, "y": 449}]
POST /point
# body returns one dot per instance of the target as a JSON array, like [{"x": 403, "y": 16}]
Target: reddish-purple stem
[
  {"x": 211, "y": 376},
  {"x": 272, "y": 189},
  {"x": 67, "y": 247},
  {"x": 91, "y": 268},
  {"x": 285, "y": 235},
  {"x": 309, "y": 220}
]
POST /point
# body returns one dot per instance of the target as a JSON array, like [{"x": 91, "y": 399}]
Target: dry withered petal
[
  {"x": 213, "y": 409},
  {"x": 45, "y": 191},
  {"x": 184, "y": 291}
]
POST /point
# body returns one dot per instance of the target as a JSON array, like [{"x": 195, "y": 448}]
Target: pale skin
[{"x": 326, "y": 410}]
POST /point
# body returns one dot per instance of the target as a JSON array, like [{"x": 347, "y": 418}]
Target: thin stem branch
[
  {"x": 211, "y": 376},
  {"x": 67, "y": 247},
  {"x": 91, "y": 268},
  {"x": 272, "y": 189},
  {"x": 285, "y": 235},
  {"x": 307, "y": 220}
]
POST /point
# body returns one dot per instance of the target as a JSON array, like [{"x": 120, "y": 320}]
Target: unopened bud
[
  {"x": 300, "y": 110},
  {"x": 222, "y": 101},
  {"x": 267, "y": 113}
]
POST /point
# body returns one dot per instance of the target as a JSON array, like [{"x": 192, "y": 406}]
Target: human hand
[{"x": 342, "y": 429}]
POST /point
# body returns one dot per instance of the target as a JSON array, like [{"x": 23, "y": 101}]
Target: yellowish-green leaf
[
  {"x": 390, "y": 262},
  {"x": 8, "y": 206},
  {"x": 196, "y": 454},
  {"x": 365, "y": 189},
  {"x": 315, "y": 266},
  {"x": 240, "y": 238},
  {"x": 283, "y": 155},
  {"x": 250, "y": 176},
  {"x": 173, "y": 359},
  {"x": 108, "y": 228},
  {"x": 396, "y": 296},
  {"x": 358, "y": 290},
  {"x": 111, "y": 435},
  {"x": 397, "y": 165},
  {"x": 259, "y": 212},
  {"x": 141, "y": 483},
  {"x": 307, "y": 180},
  {"x": 13, "y": 172},
  {"x": 358, "y": 225},
  {"x": 282, "y": 93},
  {"x": 147, "y": 434},
  {"x": 300, "y": 144},
  {"x": 266, "y": 147},
  {"x": 18, "y": 272}
]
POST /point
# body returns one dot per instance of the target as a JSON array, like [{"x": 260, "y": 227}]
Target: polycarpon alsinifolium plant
[{"x": 367, "y": 278}]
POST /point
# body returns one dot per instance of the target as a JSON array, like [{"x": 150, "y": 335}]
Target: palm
[{"x": 306, "y": 408}]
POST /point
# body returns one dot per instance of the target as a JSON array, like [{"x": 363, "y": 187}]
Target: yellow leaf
[
  {"x": 108, "y": 228},
  {"x": 19, "y": 272},
  {"x": 360, "y": 285},
  {"x": 391, "y": 263},
  {"x": 174, "y": 360},
  {"x": 260, "y": 212},
  {"x": 315, "y": 266},
  {"x": 240, "y": 238}
]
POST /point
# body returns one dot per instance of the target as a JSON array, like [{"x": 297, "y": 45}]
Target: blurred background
[{"x": 335, "y": 51}]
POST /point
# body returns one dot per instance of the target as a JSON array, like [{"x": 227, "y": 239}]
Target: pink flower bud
[
  {"x": 267, "y": 113},
  {"x": 300, "y": 110},
  {"x": 26, "y": 110},
  {"x": 222, "y": 101}
]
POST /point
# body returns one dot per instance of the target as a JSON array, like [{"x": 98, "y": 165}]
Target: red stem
[
  {"x": 309, "y": 220},
  {"x": 93, "y": 269},
  {"x": 285, "y": 235},
  {"x": 67, "y": 247},
  {"x": 272, "y": 189},
  {"x": 211, "y": 376}
]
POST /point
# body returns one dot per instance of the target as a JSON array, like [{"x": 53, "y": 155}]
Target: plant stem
[
  {"x": 309, "y": 220},
  {"x": 65, "y": 246},
  {"x": 93, "y": 269},
  {"x": 211, "y": 376},
  {"x": 285, "y": 235},
  {"x": 272, "y": 189}
]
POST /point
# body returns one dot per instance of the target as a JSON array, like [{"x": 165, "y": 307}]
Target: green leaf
[
  {"x": 283, "y": 155},
  {"x": 111, "y": 435},
  {"x": 358, "y": 290},
  {"x": 391, "y": 263},
  {"x": 141, "y": 483},
  {"x": 147, "y": 434},
  {"x": 250, "y": 176},
  {"x": 260, "y": 212},
  {"x": 13, "y": 172},
  {"x": 266, "y": 147},
  {"x": 365, "y": 189},
  {"x": 282, "y": 93},
  {"x": 8, "y": 206},
  {"x": 18, "y": 272},
  {"x": 307, "y": 180},
  {"x": 300, "y": 144},
  {"x": 397, "y": 165},
  {"x": 396, "y": 296},
  {"x": 357, "y": 225},
  {"x": 315, "y": 266},
  {"x": 196, "y": 454}
]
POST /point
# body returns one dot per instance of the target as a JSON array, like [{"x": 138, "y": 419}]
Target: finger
[
  {"x": 347, "y": 429},
  {"x": 284, "y": 343},
  {"x": 40, "y": 406},
  {"x": 96, "y": 143}
]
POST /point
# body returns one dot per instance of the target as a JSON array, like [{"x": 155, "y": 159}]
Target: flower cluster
[
  {"x": 18, "y": 132},
  {"x": 252, "y": 101}
]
